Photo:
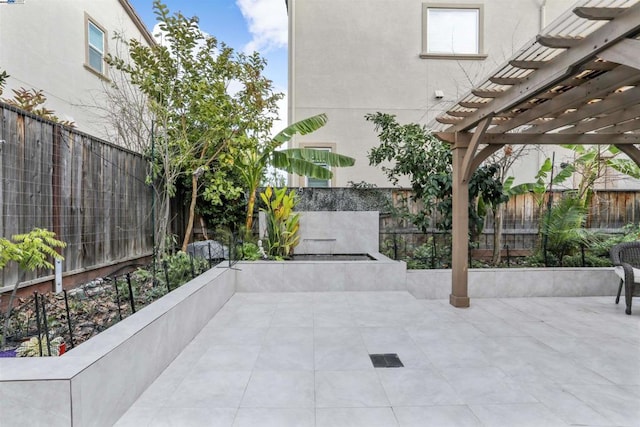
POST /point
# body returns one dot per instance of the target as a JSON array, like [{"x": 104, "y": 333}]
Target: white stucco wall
[
  {"x": 350, "y": 58},
  {"x": 42, "y": 47}
]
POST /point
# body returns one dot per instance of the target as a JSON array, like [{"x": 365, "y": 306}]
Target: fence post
[
  {"x": 115, "y": 282},
  {"x": 45, "y": 322},
  {"x": 395, "y": 246},
  {"x": 165, "y": 266},
  {"x": 434, "y": 251},
  {"x": 508, "y": 256},
  {"x": 66, "y": 306},
  {"x": 37, "y": 301},
  {"x": 133, "y": 304}
]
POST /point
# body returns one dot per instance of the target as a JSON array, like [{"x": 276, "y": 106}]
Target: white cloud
[{"x": 268, "y": 23}]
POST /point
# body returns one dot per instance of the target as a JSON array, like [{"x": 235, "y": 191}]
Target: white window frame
[
  {"x": 88, "y": 23},
  {"x": 431, "y": 7},
  {"x": 325, "y": 147}
]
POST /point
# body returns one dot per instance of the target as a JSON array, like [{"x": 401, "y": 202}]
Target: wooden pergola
[{"x": 578, "y": 82}]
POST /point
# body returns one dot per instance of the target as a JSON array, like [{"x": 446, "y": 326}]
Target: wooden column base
[{"x": 459, "y": 302}]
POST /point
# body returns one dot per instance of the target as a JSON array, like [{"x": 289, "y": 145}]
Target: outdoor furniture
[{"x": 626, "y": 259}]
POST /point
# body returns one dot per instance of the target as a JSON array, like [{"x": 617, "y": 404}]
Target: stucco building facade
[
  {"x": 59, "y": 47},
  {"x": 411, "y": 58}
]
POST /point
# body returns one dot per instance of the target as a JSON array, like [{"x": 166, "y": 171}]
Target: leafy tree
[
  {"x": 254, "y": 160},
  {"x": 31, "y": 251},
  {"x": 411, "y": 150},
  {"x": 201, "y": 123}
]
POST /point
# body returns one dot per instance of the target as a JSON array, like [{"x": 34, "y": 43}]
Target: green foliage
[
  {"x": 33, "y": 101},
  {"x": 31, "y": 348},
  {"x": 254, "y": 159},
  {"x": 590, "y": 260},
  {"x": 539, "y": 186},
  {"x": 429, "y": 255},
  {"x": 413, "y": 151},
  {"x": 201, "y": 125},
  {"x": 282, "y": 224},
  {"x": 601, "y": 247},
  {"x": 250, "y": 252},
  {"x": 562, "y": 229},
  {"x": 33, "y": 249},
  {"x": 178, "y": 267},
  {"x": 3, "y": 80}
]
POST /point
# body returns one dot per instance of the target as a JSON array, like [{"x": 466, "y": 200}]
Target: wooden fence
[
  {"x": 609, "y": 211},
  {"x": 92, "y": 194}
]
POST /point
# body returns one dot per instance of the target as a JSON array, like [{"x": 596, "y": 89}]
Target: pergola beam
[
  {"x": 561, "y": 67},
  {"x": 472, "y": 148},
  {"x": 596, "y": 87},
  {"x": 631, "y": 151},
  {"x": 558, "y": 42},
  {"x": 613, "y": 103},
  {"x": 559, "y": 139},
  {"x": 603, "y": 122},
  {"x": 599, "y": 13},
  {"x": 625, "y": 53}
]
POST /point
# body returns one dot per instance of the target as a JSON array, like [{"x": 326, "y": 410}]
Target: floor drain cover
[{"x": 390, "y": 360}]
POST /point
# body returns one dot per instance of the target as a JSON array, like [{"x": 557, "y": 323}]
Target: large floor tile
[
  {"x": 347, "y": 389},
  {"x": 355, "y": 417},
  {"x": 275, "y": 417},
  {"x": 210, "y": 389},
  {"x": 340, "y": 349},
  {"x": 436, "y": 416},
  {"x": 280, "y": 389},
  {"x": 485, "y": 385},
  {"x": 517, "y": 415},
  {"x": 413, "y": 387},
  {"x": 617, "y": 404}
]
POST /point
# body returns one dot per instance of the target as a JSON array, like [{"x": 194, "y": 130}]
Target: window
[
  {"x": 95, "y": 46},
  {"x": 313, "y": 182},
  {"x": 452, "y": 31}
]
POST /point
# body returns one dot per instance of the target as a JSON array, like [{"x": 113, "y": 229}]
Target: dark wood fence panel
[{"x": 91, "y": 193}]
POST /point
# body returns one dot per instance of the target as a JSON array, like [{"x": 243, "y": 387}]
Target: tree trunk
[
  {"x": 7, "y": 316},
  {"x": 250, "y": 206},
  {"x": 498, "y": 215},
  {"x": 192, "y": 212}
]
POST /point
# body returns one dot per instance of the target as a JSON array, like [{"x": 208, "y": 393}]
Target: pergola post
[{"x": 460, "y": 234}]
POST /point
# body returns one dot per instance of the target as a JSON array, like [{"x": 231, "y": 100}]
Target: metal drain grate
[{"x": 390, "y": 360}]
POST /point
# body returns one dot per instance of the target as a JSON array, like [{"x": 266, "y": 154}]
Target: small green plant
[
  {"x": 562, "y": 230},
  {"x": 250, "y": 251},
  {"x": 282, "y": 224},
  {"x": 430, "y": 255},
  {"x": 31, "y": 251},
  {"x": 31, "y": 348}
]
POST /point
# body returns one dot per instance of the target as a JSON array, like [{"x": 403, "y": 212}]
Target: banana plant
[
  {"x": 539, "y": 186},
  {"x": 282, "y": 223},
  {"x": 254, "y": 161}
]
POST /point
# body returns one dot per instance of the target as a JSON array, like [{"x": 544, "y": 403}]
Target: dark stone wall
[{"x": 345, "y": 199}]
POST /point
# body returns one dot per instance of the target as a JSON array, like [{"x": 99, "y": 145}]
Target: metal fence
[{"x": 78, "y": 314}]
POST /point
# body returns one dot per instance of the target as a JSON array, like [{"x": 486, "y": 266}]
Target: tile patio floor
[{"x": 301, "y": 359}]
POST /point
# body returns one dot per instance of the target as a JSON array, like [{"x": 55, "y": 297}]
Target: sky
[{"x": 245, "y": 25}]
